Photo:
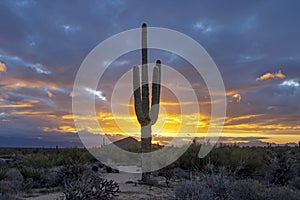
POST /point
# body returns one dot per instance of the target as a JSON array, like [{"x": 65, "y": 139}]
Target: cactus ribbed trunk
[{"x": 146, "y": 117}]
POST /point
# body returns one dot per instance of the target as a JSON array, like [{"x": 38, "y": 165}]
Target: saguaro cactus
[{"x": 146, "y": 117}]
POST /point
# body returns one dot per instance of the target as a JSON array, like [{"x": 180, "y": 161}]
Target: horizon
[{"x": 43, "y": 44}]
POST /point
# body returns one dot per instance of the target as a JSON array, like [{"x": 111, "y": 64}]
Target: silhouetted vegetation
[
  {"x": 228, "y": 172},
  {"x": 80, "y": 183},
  {"x": 146, "y": 116},
  {"x": 22, "y": 170}
]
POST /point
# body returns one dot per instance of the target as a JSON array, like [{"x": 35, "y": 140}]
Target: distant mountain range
[
  {"x": 128, "y": 143},
  {"x": 73, "y": 140}
]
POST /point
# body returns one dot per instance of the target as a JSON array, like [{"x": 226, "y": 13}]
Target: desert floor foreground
[{"x": 129, "y": 189}]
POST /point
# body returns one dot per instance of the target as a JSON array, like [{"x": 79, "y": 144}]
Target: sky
[{"x": 255, "y": 45}]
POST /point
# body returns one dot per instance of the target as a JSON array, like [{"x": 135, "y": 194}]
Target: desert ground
[
  {"x": 228, "y": 172},
  {"x": 128, "y": 187}
]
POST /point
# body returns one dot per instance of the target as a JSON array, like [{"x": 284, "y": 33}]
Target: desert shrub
[
  {"x": 74, "y": 154},
  {"x": 38, "y": 160},
  {"x": 283, "y": 166},
  {"x": 204, "y": 186},
  {"x": 11, "y": 185},
  {"x": 218, "y": 184},
  {"x": 193, "y": 190},
  {"x": 38, "y": 176},
  {"x": 168, "y": 174},
  {"x": 282, "y": 193},
  {"x": 172, "y": 175},
  {"x": 295, "y": 183},
  {"x": 46, "y": 159},
  {"x": 223, "y": 187},
  {"x": 243, "y": 162},
  {"x": 82, "y": 183},
  {"x": 190, "y": 159},
  {"x": 30, "y": 172},
  {"x": 28, "y": 185},
  {"x": 15, "y": 178},
  {"x": 52, "y": 178},
  {"x": 6, "y": 196},
  {"x": 247, "y": 189},
  {"x": 180, "y": 174},
  {"x": 3, "y": 173}
]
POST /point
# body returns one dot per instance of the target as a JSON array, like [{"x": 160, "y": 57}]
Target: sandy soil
[{"x": 51, "y": 196}]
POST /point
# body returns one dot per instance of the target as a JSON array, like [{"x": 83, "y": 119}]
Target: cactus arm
[
  {"x": 145, "y": 86},
  {"x": 158, "y": 64},
  {"x": 137, "y": 94},
  {"x": 144, "y": 44},
  {"x": 155, "y": 93}
]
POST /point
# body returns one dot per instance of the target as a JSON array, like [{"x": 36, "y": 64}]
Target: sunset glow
[{"x": 39, "y": 60}]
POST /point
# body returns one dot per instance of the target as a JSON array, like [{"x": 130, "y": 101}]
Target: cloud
[
  {"x": 237, "y": 97},
  {"x": 16, "y": 60},
  {"x": 38, "y": 68},
  {"x": 2, "y": 67},
  {"x": 50, "y": 94},
  {"x": 63, "y": 129},
  {"x": 22, "y": 104},
  {"x": 30, "y": 112},
  {"x": 12, "y": 83},
  {"x": 236, "y": 120},
  {"x": 268, "y": 76},
  {"x": 41, "y": 58},
  {"x": 202, "y": 26},
  {"x": 70, "y": 28},
  {"x": 290, "y": 83},
  {"x": 71, "y": 94},
  {"x": 96, "y": 93},
  {"x": 3, "y": 96}
]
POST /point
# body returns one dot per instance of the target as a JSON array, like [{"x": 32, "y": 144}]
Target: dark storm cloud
[{"x": 43, "y": 43}]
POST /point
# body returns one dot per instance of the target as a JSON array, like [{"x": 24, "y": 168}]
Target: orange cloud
[
  {"x": 15, "y": 83},
  {"x": 63, "y": 129},
  {"x": 30, "y": 113},
  {"x": 26, "y": 103},
  {"x": 268, "y": 76},
  {"x": 2, "y": 67},
  {"x": 49, "y": 94},
  {"x": 237, "y": 97},
  {"x": 243, "y": 117}
]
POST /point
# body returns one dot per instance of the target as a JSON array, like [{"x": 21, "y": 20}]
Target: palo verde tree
[{"x": 146, "y": 115}]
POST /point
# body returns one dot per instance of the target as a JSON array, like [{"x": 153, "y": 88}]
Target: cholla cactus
[{"x": 145, "y": 115}]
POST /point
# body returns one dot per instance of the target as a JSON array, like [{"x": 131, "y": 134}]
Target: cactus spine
[{"x": 146, "y": 117}]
